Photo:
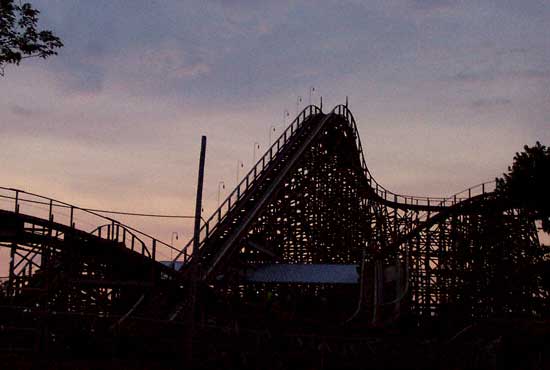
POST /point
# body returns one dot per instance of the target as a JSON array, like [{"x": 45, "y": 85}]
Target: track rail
[
  {"x": 380, "y": 193},
  {"x": 401, "y": 200},
  {"x": 30, "y": 204},
  {"x": 249, "y": 180}
]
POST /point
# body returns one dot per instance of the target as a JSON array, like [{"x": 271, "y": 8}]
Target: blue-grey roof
[
  {"x": 176, "y": 265},
  {"x": 300, "y": 273}
]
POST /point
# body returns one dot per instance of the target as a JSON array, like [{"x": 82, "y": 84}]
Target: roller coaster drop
[{"x": 308, "y": 213}]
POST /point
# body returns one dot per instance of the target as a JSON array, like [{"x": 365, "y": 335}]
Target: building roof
[
  {"x": 298, "y": 273},
  {"x": 305, "y": 273}
]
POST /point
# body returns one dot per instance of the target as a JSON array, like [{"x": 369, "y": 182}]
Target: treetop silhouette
[
  {"x": 527, "y": 183},
  {"x": 19, "y": 36}
]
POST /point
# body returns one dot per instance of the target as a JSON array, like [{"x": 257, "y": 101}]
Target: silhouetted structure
[{"x": 308, "y": 254}]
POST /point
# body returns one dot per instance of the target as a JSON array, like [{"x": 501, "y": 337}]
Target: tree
[
  {"x": 19, "y": 37},
  {"x": 527, "y": 183}
]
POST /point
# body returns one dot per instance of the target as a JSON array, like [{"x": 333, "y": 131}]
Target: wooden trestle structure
[{"x": 420, "y": 263}]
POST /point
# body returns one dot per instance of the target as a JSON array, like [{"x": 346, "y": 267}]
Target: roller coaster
[{"x": 307, "y": 244}]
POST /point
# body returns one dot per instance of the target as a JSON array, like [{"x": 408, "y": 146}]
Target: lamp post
[
  {"x": 256, "y": 146},
  {"x": 272, "y": 129},
  {"x": 221, "y": 185},
  {"x": 285, "y": 114},
  {"x": 172, "y": 243},
  {"x": 240, "y": 165},
  {"x": 311, "y": 91},
  {"x": 298, "y": 101}
]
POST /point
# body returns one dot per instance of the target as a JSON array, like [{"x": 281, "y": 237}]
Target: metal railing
[
  {"x": 20, "y": 201},
  {"x": 119, "y": 233},
  {"x": 389, "y": 196},
  {"x": 30, "y": 204},
  {"x": 211, "y": 224}
]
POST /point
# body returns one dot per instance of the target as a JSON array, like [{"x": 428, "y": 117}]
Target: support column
[
  {"x": 195, "y": 263},
  {"x": 11, "y": 272}
]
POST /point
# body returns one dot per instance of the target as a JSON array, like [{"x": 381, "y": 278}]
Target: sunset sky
[{"x": 444, "y": 93}]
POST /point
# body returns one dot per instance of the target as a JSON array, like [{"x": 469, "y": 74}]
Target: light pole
[
  {"x": 311, "y": 91},
  {"x": 221, "y": 185},
  {"x": 272, "y": 129},
  {"x": 240, "y": 165},
  {"x": 298, "y": 101},
  {"x": 285, "y": 114},
  {"x": 256, "y": 146},
  {"x": 172, "y": 243}
]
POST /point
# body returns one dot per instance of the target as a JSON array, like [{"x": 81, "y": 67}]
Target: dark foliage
[
  {"x": 19, "y": 37},
  {"x": 527, "y": 183}
]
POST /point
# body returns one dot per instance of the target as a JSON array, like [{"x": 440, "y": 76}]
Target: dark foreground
[{"x": 495, "y": 344}]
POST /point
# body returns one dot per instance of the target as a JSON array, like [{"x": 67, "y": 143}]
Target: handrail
[
  {"x": 219, "y": 215},
  {"x": 114, "y": 234},
  {"x": 150, "y": 246},
  {"x": 389, "y": 196}
]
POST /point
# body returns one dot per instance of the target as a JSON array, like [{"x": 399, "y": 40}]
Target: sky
[{"x": 444, "y": 93}]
